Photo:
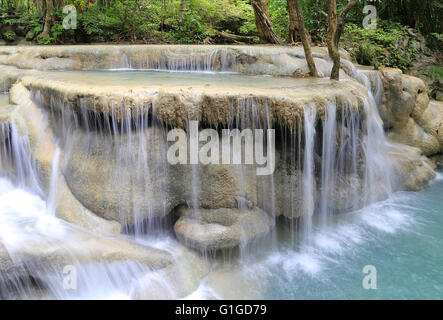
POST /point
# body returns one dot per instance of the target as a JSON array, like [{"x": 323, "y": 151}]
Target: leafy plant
[
  {"x": 435, "y": 41},
  {"x": 45, "y": 40},
  {"x": 437, "y": 72},
  {"x": 389, "y": 45},
  {"x": 9, "y": 36}
]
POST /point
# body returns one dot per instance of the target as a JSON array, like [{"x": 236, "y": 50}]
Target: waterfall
[
  {"x": 215, "y": 60},
  {"x": 331, "y": 158},
  {"x": 124, "y": 151},
  {"x": 194, "y": 158},
  {"x": 377, "y": 184},
  {"x": 328, "y": 177},
  {"x": 308, "y": 172},
  {"x": 271, "y": 177},
  {"x": 16, "y": 162},
  {"x": 52, "y": 197}
]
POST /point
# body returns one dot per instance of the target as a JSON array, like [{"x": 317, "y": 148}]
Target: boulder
[
  {"x": 438, "y": 160},
  {"x": 409, "y": 115},
  {"x": 437, "y": 89},
  {"x": 30, "y": 35},
  {"x": 414, "y": 135},
  {"x": 209, "y": 230},
  {"x": 411, "y": 171}
]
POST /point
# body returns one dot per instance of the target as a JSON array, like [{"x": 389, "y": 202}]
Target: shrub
[
  {"x": 389, "y": 45},
  {"x": 435, "y": 41},
  {"x": 437, "y": 72},
  {"x": 9, "y": 36}
]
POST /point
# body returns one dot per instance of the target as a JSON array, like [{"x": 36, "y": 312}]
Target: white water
[
  {"x": 328, "y": 178},
  {"x": 308, "y": 172},
  {"x": 32, "y": 224},
  {"x": 29, "y": 232},
  {"x": 53, "y": 184},
  {"x": 334, "y": 259},
  {"x": 15, "y": 159},
  {"x": 219, "y": 59},
  {"x": 331, "y": 268}
]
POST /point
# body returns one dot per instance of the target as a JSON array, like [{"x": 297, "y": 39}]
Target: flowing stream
[
  {"x": 395, "y": 236},
  {"x": 323, "y": 257}
]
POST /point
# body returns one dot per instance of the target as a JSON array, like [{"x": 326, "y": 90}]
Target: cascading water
[
  {"x": 333, "y": 159},
  {"x": 375, "y": 145},
  {"x": 308, "y": 172},
  {"x": 375, "y": 149},
  {"x": 32, "y": 236},
  {"x": 328, "y": 177},
  {"x": 217, "y": 60},
  {"x": 15, "y": 160},
  {"x": 52, "y": 198}
]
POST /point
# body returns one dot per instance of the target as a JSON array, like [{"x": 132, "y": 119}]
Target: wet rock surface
[
  {"x": 114, "y": 172},
  {"x": 277, "y": 61},
  {"x": 31, "y": 122},
  {"x": 412, "y": 171},
  {"x": 215, "y": 229},
  {"x": 410, "y": 117}
]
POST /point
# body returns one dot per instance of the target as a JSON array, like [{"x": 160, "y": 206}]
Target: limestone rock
[
  {"x": 177, "y": 280},
  {"x": 346, "y": 193},
  {"x": 43, "y": 149},
  {"x": 43, "y": 256},
  {"x": 30, "y": 35},
  {"x": 277, "y": 61},
  {"x": 438, "y": 160},
  {"x": 411, "y": 171},
  {"x": 410, "y": 115},
  {"x": 215, "y": 229}
]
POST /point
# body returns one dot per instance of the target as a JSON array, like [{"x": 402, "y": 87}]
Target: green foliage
[
  {"x": 194, "y": 21},
  {"x": 9, "y": 36},
  {"x": 45, "y": 40},
  {"x": 235, "y": 16},
  {"x": 314, "y": 13},
  {"x": 141, "y": 20},
  {"x": 278, "y": 10},
  {"x": 437, "y": 72},
  {"x": 424, "y": 15},
  {"x": 388, "y": 45},
  {"x": 435, "y": 41}
]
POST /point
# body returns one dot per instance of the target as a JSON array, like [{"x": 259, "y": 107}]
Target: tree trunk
[
  {"x": 48, "y": 18},
  {"x": 234, "y": 37},
  {"x": 335, "y": 29},
  {"x": 332, "y": 34},
  {"x": 304, "y": 39},
  {"x": 263, "y": 22},
  {"x": 293, "y": 22}
]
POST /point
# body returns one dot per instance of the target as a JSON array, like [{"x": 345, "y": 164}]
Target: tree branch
[
  {"x": 342, "y": 17},
  {"x": 304, "y": 39},
  {"x": 348, "y": 8}
]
